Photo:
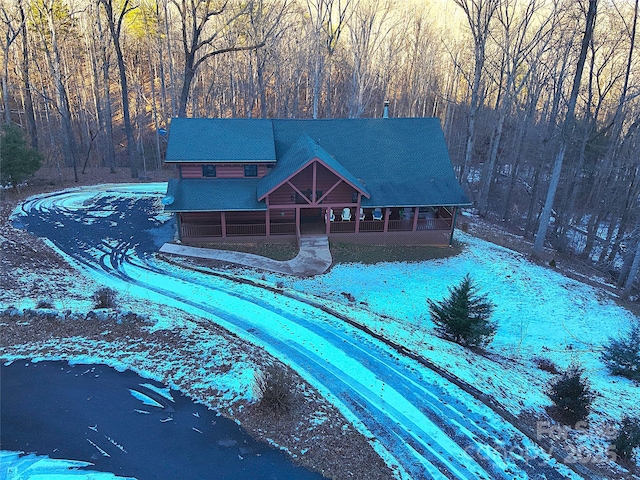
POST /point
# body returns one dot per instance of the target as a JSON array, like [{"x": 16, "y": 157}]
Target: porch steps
[{"x": 313, "y": 257}]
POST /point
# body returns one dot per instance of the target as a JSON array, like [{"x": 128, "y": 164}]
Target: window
[
  {"x": 208, "y": 170},
  {"x": 251, "y": 170}
]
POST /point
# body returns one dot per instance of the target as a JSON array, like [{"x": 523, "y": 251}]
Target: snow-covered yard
[{"x": 540, "y": 314}]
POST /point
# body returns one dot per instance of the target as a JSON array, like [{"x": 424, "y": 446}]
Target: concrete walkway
[{"x": 313, "y": 258}]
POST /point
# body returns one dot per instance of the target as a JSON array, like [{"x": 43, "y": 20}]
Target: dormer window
[
  {"x": 251, "y": 170},
  {"x": 208, "y": 170}
]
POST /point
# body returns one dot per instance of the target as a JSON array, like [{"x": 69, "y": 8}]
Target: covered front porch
[
  {"x": 393, "y": 225},
  {"x": 390, "y": 225}
]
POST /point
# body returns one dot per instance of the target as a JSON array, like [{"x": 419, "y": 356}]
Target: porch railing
[
  {"x": 343, "y": 227},
  {"x": 434, "y": 224},
  {"x": 238, "y": 230},
  {"x": 242, "y": 230},
  {"x": 371, "y": 225},
  {"x": 400, "y": 225},
  {"x": 282, "y": 228},
  {"x": 194, "y": 230}
]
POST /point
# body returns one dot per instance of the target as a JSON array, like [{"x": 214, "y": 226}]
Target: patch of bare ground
[
  {"x": 26, "y": 262},
  {"x": 314, "y": 432}
]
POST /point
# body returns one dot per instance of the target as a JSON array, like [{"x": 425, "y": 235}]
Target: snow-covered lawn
[{"x": 539, "y": 312}]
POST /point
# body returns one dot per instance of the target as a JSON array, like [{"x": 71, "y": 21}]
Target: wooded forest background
[{"x": 539, "y": 99}]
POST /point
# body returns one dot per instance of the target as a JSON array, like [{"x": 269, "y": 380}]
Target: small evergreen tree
[
  {"x": 105, "y": 297},
  {"x": 622, "y": 356},
  {"x": 628, "y": 438},
  {"x": 571, "y": 395},
  {"x": 464, "y": 317},
  {"x": 17, "y": 159}
]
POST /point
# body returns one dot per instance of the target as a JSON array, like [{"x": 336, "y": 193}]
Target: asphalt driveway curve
[
  {"x": 419, "y": 422},
  {"x": 124, "y": 424}
]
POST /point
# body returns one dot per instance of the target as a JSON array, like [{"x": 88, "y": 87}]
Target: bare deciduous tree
[
  {"x": 115, "y": 21},
  {"x": 208, "y": 29},
  {"x": 566, "y": 131},
  {"x": 479, "y": 15}
]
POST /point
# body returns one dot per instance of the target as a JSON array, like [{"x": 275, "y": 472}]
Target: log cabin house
[{"x": 374, "y": 181}]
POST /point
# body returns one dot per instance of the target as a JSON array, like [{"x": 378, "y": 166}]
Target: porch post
[
  {"x": 267, "y": 219},
  {"x": 358, "y": 213},
  {"x": 223, "y": 224},
  {"x": 387, "y": 211},
  {"x": 415, "y": 219},
  {"x": 297, "y": 221},
  {"x": 453, "y": 224}
]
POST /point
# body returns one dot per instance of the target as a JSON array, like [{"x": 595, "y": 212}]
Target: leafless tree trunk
[
  {"x": 114, "y": 22},
  {"x": 635, "y": 265},
  {"x": 328, "y": 20},
  {"x": 479, "y": 14},
  {"x": 516, "y": 47},
  {"x": 26, "y": 80},
  {"x": 566, "y": 132},
  {"x": 46, "y": 17},
  {"x": 10, "y": 31},
  {"x": 199, "y": 34},
  {"x": 370, "y": 28},
  {"x": 109, "y": 148}
]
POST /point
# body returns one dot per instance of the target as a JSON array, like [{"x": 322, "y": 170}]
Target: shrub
[
  {"x": 571, "y": 395},
  {"x": 105, "y": 298},
  {"x": 348, "y": 296},
  {"x": 44, "y": 304},
  {"x": 546, "y": 365},
  {"x": 464, "y": 316},
  {"x": 622, "y": 356},
  {"x": 628, "y": 438},
  {"x": 274, "y": 388}
]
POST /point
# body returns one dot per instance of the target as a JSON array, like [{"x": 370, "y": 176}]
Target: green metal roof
[
  {"x": 298, "y": 156},
  {"x": 212, "y": 195},
  {"x": 396, "y": 162},
  {"x": 401, "y": 161},
  {"x": 220, "y": 139}
]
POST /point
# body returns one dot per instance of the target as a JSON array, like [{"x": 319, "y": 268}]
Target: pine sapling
[
  {"x": 622, "y": 356},
  {"x": 464, "y": 317},
  {"x": 571, "y": 395},
  {"x": 627, "y": 440}
]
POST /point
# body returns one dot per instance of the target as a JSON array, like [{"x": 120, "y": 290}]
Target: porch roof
[
  {"x": 212, "y": 195},
  {"x": 222, "y": 140},
  {"x": 301, "y": 154}
]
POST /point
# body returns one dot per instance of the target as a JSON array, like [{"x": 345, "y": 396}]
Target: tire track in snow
[{"x": 428, "y": 434}]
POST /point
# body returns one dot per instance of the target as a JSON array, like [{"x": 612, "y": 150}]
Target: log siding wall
[{"x": 223, "y": 170}]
